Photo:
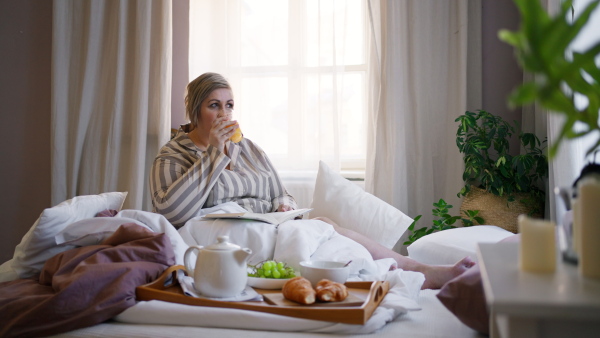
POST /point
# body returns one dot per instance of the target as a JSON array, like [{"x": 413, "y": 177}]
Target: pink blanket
[{"x": 84, "y": 286}]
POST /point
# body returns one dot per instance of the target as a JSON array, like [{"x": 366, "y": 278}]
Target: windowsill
[{"x": 351, "y": 175}]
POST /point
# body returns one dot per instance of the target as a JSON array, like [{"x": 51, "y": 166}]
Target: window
[{"x": 298, "y": 69}]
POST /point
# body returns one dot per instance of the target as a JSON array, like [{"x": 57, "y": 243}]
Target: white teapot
[{"x": 221, "y": 268}]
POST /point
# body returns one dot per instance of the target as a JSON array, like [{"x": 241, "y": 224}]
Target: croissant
[
  {"x": 328, "y": 291},
  {"x": 299, "y": 289}
]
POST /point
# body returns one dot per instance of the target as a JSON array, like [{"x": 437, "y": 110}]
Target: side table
[{"x": 524, "y": 304}]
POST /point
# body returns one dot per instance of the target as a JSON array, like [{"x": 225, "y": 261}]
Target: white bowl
[
  {"x": 315, "y": 271},
  {"x": 267, "y": 283}
]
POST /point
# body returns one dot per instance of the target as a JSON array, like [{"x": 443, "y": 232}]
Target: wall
[
  {"x": 501, "y": 73},
  {"x": 25, "y": 37}
]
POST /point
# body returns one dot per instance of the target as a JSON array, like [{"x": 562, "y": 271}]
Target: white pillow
[
  {"x": 7, "y": 273},
  {"x": 353, "y": 208},
  {"x": 38, "y": 244},
  {"x": 92, "y": 231},
  {"x": 449, "y": 246}
]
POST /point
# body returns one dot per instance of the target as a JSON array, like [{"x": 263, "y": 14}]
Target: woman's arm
[
  {"x": 282, "y": 200},
  {"x": 179, "y": 192}
]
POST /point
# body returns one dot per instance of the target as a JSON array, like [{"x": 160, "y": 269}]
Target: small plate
[{"x": 267, "y": 283}]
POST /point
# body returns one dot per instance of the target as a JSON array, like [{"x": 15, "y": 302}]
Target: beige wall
[{"x": 25, "y": 37}]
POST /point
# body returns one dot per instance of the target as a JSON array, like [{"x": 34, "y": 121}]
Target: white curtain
[
  {"x": 111, "y": 85},
  {"x": 424, "y": 78}
]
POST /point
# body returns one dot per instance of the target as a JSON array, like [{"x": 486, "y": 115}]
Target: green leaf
[
  {"x": 524, "y": 94},
  {"x": 541, "y": 45}
]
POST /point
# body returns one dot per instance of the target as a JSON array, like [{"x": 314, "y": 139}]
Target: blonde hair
[{"x": 198, "y": 90}]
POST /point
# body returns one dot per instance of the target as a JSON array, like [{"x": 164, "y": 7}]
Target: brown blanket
[{"x": 84, "y": 286}]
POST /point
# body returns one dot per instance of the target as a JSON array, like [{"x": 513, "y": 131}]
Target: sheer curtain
[
  {"x": 425, "y": 77},
  {"x": 111, "y": 84}
]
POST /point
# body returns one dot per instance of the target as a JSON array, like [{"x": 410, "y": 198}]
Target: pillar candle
[
  {"x": 537, "y": 248},
  {"x": 589, "y": 226}
]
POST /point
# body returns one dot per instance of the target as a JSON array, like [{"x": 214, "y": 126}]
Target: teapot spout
[{"x": 242, "y": 255}]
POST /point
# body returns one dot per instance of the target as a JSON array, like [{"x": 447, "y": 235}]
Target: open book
[{"x": 272, "y": 217}]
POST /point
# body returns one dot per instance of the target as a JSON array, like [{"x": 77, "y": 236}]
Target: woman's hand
[
  {"x": 284, "y": 207},
  {"x": 221, "y": 130}
]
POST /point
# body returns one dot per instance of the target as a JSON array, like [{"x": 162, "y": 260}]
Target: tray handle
[{"x": 169, "y": 277}]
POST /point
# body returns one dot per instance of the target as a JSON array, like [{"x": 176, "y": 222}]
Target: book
[{"x": 275, "y": 218}]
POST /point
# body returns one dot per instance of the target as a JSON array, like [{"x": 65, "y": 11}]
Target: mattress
[{"x": 434, "y": 320}]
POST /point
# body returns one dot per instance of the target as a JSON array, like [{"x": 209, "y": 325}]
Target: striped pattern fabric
[{"x": 185, "y": 179}]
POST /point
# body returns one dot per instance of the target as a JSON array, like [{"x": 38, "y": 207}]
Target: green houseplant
[
  {"x": 542, "y": 49},
  {"x": 444, "y": 222},
  {"x": 484, "y": 141}
]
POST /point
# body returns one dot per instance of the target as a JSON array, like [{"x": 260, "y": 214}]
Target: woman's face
[{"x": 219, "y": 102}]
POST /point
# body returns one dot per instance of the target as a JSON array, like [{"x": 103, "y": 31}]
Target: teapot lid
[{"x": 223, "y": 244}]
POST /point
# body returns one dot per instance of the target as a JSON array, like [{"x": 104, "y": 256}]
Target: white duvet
[{"x": 291, "y": 242}]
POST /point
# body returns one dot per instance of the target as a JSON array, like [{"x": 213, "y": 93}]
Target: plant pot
[{"x": 496, "y": 210}]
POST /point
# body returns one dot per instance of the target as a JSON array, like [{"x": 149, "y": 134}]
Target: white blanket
[{"x": 291, "y": 242}]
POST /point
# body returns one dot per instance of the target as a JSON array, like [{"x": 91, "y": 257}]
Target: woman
[{"x": 201, "y": 168}]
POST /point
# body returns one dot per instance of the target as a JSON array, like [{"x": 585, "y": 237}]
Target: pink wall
[{"x": 25, "y": 37}]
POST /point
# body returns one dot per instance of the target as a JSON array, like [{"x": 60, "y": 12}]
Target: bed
[{"x": 84, "y": 225}]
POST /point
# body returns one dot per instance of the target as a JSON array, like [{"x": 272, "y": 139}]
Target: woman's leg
[{"x": 435, "y": 275}]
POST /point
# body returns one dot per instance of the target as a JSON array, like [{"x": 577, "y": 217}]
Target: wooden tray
[{"x": 363, "y": 299}]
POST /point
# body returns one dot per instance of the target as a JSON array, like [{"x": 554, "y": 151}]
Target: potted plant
[
  {"x": 444, "y": 222},
  {"x": 498, "y": 184}
]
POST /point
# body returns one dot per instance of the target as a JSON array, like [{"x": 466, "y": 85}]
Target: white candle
[
  {"x": 589, "y": 226},
  {"x": 537, "y": 248}
]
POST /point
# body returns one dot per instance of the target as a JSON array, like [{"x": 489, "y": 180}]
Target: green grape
[{"x": 271, "y": 269}]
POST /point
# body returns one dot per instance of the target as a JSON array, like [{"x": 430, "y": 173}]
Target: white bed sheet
[
  {"x": 433, "y": 321},
  {"x": 293, "y": 243}
]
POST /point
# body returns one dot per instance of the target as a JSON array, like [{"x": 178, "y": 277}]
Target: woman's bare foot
[{"x": 437, "y": 275}]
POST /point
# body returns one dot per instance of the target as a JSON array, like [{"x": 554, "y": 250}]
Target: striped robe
[{"x": 184, "y": 179}]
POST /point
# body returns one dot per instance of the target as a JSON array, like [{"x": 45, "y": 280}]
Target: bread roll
[
  {"x": 328, "y": 291},
  {"x": 299, "y": 289}
]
